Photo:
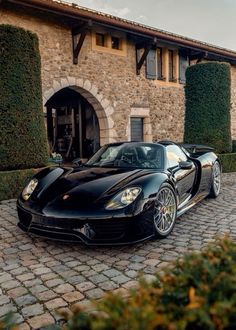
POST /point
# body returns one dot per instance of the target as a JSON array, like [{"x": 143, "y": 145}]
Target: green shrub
[
  {"x": 22, "y": 132},
  {"x": 228, "y": 162},
  {"x": 207, "y": 118},
  {"x": 196, "y": 293},
  {"x": 12, "y": 182},
  {"x": 7, "y": 322}
]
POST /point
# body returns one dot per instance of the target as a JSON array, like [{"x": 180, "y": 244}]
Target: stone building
[{"x": 107, "y": 79}]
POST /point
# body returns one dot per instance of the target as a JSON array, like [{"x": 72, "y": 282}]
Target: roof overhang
[{"x": 76, "y": 14}]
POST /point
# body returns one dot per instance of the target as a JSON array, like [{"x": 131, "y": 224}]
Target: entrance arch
[
  {"x": 72, "y": 125},
  {"x": 95, "y": 116}
]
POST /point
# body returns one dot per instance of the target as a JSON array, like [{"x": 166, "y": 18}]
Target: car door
[{"x": 183, "y": 171}]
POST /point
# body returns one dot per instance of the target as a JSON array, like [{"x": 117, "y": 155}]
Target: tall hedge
[
  {"x": 207, "y": 118},
  {"x": 23, "y": 141}
]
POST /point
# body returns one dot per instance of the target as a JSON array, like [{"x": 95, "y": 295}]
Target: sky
[{"x": 211, "y": 21}]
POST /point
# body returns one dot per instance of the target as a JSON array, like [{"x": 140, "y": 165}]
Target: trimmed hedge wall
[
  {"x": 12, "y": 182},
  {"x": 228, "y": 162},
  {"x": 207, "y": 118},
  {"x": 23, "y": 141}
]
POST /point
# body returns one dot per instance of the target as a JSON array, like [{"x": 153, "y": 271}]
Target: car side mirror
[
  {"x": 186, "y": 165},
  {"x": 77, "y": 161}
]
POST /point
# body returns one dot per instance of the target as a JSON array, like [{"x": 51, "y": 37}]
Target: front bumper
[{"x": 109, "y": 231}]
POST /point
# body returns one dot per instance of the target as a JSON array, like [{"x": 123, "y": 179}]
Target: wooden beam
[
  {"x": 78, "y": 35},
  {"x": 77, "y": 45},
  {"x": 139, "y": 63},
  {"x": 147, "y": 47},
  {"x": 82, "y": 27},
  {"x": 215, "y": 57},
  {"x": 197, "y": 56}
]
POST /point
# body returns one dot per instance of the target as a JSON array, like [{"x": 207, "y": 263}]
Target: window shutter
[
  {"x": 136, "y": 128},
  {"x": 151, "y": 64},
  {"x": 183, "y": 64}
]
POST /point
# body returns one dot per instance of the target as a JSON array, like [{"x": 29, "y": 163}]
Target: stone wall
[{"x": 109, "y": 82}]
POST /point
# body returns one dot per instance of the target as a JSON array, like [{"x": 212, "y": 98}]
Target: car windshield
[{"x": 130, "y": 155}]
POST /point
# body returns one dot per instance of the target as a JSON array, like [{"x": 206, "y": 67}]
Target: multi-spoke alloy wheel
[
  {"x": 164, "y": 211},
  {"x": 216, "y": 180}
]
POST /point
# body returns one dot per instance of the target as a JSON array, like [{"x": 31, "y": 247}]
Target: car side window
[{"x": 175, "y": 155}]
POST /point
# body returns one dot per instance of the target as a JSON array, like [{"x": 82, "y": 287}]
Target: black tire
[
  {"x": 216, "y": 180},
  {"x": 165, "y": 209}
]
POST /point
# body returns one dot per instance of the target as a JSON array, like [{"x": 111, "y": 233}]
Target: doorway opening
[{"x": 72, "y": 125}]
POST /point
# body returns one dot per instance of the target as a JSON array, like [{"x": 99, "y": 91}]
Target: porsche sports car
[{"x": 126, "y": 192}]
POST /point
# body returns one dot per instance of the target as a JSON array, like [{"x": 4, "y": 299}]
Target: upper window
[
  {"x": 115, "y": 43},
  {"x": 100, "y": 39},
  {"x": 171, "y": 61},
  {"x": 109, "y": 42},
  {"x": 166, "y": 65},
  {"x": 160, "y": 63},
  {"x": 175, "y": 155},
  {"x": 183, "y": 64}
]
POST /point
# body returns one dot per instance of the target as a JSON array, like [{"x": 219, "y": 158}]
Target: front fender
[
  {"x": 46, "y": 177},
  {"x": 150, "y": 185}
]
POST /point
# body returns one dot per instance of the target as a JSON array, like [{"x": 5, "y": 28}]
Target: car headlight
[
  {"x": 28, "y": 190},
  {"x": 123, "y": 198}
]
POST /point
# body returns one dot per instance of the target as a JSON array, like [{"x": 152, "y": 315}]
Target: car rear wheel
[
  {"x": 164, "y": 211},
  {"x": 216, "y": 180}
]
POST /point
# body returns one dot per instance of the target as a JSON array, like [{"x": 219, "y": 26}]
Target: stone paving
[{"x": 38, "y": 277}]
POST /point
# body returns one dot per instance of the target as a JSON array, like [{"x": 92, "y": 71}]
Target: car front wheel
[{"x": 165, "y": 209}]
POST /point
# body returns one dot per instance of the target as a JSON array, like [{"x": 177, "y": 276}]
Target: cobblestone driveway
[{"x": 38, "y": 276}]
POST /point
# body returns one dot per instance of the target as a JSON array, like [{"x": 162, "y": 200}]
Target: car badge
[{"x": 65, "y": 197}]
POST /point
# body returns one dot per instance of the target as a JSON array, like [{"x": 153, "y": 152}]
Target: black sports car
[{"x": 126, "y": 192}]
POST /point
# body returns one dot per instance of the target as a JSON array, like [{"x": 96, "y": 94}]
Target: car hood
[{"x": 89, "y": 186}]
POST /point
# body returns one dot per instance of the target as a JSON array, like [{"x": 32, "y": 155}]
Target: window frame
[
  {"x": 104, "y": 43},
  {"x": 119, "y": 42},
  {"x": 107, "y": 45},
  {"x": 163, "y": 66}
]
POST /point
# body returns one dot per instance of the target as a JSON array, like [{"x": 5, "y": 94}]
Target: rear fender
[{"x": 204, "y": 179}]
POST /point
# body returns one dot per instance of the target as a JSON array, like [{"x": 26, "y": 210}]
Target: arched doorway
[{"x": 72, "y": 125}]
